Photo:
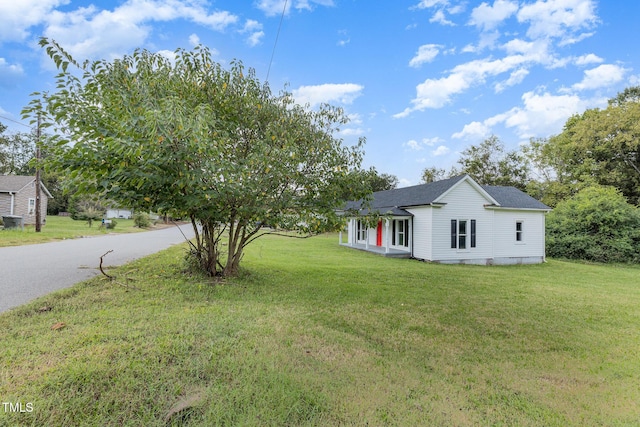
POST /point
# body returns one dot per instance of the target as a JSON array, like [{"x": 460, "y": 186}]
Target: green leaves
[
  {"x": 192, "y": 139},
  {"x": 597, "y": 224}
]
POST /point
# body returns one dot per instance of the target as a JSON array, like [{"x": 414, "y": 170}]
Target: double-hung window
[
  {"x": 463, "y": 234},
  {"x": 31, "y": 209},
  {"x": 519, "y": 231},
  {"x": 400, "y": 232},
  {"x": 361, "y": 231}
]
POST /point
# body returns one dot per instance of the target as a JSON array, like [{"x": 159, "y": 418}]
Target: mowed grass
[
  {"x": 58, "y": 228},
  {"x": 317, "y": 334}
]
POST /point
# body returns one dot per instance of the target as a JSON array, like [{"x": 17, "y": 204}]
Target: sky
[{"x": 421, "y": 80}]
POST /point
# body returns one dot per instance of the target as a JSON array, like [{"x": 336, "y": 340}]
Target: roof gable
[{"x": 475, "y": 185}]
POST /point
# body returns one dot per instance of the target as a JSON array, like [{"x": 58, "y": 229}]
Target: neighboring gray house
[
  {"x": 455, "y": 220},
  {"x": 18, "y": 197}
]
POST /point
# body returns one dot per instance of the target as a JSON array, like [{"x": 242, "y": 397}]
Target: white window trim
[
  {"x": 523, "y": 240},
  {"x": 31, "y": 211}
]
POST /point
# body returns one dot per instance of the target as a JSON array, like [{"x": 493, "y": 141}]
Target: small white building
[
  {"x": 455, "y": 220},
  {"x": 119, "y": 213}
]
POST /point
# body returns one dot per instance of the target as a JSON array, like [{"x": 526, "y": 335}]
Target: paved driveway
[{"x": 28, "y": 272}]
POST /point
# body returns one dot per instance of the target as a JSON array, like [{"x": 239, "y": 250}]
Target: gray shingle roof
[
  {"x": 17, "y": 182},
  {"x": 14, "y": 182},
  {"x": 511, "y": 197},
  {"x": 392, "y": 201}
]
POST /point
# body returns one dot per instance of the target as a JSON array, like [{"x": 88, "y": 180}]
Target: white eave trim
[{"x": 503, "y": 208}]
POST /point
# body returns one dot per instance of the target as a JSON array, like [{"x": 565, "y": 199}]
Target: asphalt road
[{"x": 31, "y": 271}]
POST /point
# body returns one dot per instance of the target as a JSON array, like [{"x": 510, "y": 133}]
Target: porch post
[
  {"x": 386, "y": 243},
  {"x": 366, "y": 240},
  {"x": 352, "y": 238}
]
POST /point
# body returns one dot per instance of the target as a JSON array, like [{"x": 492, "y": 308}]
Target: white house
[{"x": 455, "y": 220}]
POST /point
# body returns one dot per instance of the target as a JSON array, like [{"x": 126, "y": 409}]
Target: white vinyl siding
[
  {"x": 532, "y": 234},
  {"x": 422, "y": 232},
  {"x": 463, "y": 202}
]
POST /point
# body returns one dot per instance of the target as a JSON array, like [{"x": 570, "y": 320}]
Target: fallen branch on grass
[{"x": 112, "y": 278}]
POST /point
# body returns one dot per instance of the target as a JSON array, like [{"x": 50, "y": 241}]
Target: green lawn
[
  {"x": 58, "y": 228},
  {"x": 317, "y": 334}
]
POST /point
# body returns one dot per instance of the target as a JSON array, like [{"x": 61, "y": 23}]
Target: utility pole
[{"x": 38, "y": 226}]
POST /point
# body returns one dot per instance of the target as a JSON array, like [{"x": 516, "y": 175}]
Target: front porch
[{"x": 380, "y": 250}]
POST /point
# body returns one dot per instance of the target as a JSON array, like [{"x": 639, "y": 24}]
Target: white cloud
[
  {"x": 426, "y": 142},
  {"x": 515, "y": 78},
  {"x": 436, "y": 93},
  {"x": 343, "y": 93},
  {"x": 426, "y": 53},
  {"x": 441, "y": 151},
  {"x": 413, "y": 144},
  {"x": 254, "y": 28},
  {"x": 17, "y": 17},
  {"x": 541, "y": 114},
  {"x": 489, "y": 17},
  {"x": 425, "y": 4},
  {"x": 194, "y": 40},
  {"x": 588, "y": 59},
  {"x": 472, "y": 130},
  {"x": 432, "y": 141},
  {"x": 90, "y": 33},
  {"x": 352, "y": 131},
  {"x": 602, "y": 76},
  {"x": 9, "y": 73},
  {"x": 440, "y": 18},
  {"x": 275, "y": 7},
  {"x": 558, "y": 18}
]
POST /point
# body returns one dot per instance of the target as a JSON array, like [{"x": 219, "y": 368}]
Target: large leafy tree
[
  {"x": 602, "y": 146},
  {"x": 189, "y": 137},
  {"x": 489, "y": 163},
  {"x": 16, "y": 150}
]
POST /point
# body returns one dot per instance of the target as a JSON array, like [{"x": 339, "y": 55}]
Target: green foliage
[
  {"x": 86, "y": 209},
  {"x": 602, "y": 146},
  {"x": 194, "y": 140},
  {"x": 16, "y": 151},
  {"x": 432, "y": 174},
  {"x": 141, "y": 219},
  {"x": 111, "y": 224},
  {"x": 597, "y": 224},
  {"x": 490, "y": 164}
]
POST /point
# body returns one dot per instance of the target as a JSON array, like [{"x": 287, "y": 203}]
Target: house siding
[
  {"x": 509, "y": 250},
  {"x": 422, "y": 236},
  {"x": 5, "y": 204},
  {"x": 463, "y": 202}
]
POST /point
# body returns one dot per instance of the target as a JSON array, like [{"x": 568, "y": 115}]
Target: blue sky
[{"x": 421, "y": 79}]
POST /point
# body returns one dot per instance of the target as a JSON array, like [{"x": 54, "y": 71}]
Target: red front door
[{"x": 379, "y": 234}]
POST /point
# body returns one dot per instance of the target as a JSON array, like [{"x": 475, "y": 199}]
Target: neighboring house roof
[
  {"x": 393, "y": 201},
  {"x": 15, "y": 183}
]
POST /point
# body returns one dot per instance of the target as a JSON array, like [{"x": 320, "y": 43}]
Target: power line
[
  {"x": 15, "y": 121},
  {"x": 276, "y": 42}
]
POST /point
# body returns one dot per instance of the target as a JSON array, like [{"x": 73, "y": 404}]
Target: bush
[
  {"x": 111, "y": 225},
  {"x": 141, "y": 220},
  {"x": 597, "y": 224}
]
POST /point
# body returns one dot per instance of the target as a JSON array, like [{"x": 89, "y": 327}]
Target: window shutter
[
  {"x": 454, "y": 234},
  {"x": 473, "y": 233}
]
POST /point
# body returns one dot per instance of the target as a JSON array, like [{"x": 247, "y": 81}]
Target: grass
[
  {"x": 58, "y": 228},
  {"x": 317, "y": 334}
]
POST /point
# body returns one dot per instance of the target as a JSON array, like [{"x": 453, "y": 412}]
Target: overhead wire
[{"x": 284, "y": 9}]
